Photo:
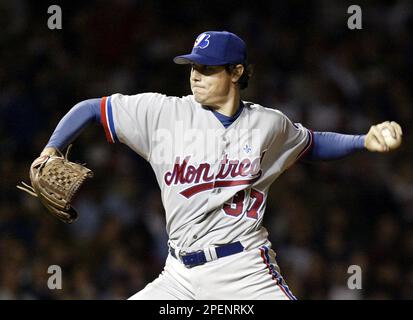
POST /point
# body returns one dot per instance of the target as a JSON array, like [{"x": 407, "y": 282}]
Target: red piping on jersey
[
  {"x": 104, "y": 120},
  {"x": 309, "y": 146},
  {"x": 269, "y": 271}
]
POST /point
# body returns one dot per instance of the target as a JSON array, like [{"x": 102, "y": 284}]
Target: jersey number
[{"x": 236, "y": 207}]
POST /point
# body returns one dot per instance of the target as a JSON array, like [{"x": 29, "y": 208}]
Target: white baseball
[{"x": 391, "y": 142}]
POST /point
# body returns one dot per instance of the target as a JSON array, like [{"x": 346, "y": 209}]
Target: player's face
[{"x": 210, "y": 85}]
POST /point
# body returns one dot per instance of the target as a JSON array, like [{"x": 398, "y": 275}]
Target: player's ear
[{"x": 237, "y": 72}]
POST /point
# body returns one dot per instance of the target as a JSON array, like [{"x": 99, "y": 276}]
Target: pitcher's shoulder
[
  {"x": 262, "y": 111},
  {"x": 153, "y": 99}
]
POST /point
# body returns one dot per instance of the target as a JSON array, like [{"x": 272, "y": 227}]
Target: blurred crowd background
[{"x": 322, "y": 217}]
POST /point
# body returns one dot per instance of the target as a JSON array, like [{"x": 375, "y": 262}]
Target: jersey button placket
[
  {"x": 224, "y": 144},
  {"x": 224, "y": 152},
  {"x": 221, "y": 151}
]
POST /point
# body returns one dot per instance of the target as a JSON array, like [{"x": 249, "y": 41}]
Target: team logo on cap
[{"x": 202, "y": 41}]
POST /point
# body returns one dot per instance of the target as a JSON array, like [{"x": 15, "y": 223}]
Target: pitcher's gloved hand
[{"x": 55, "y": 180}]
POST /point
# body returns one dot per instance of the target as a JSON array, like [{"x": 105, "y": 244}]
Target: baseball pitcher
[{"x": 215, "y": 157}]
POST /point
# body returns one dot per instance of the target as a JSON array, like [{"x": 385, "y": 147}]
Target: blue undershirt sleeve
[
  {"x": 332, "y": 146},
  {"x": 71, "y": 125}
]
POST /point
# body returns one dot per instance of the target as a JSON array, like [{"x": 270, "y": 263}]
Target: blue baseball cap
[{"x": 216, "y": 48}]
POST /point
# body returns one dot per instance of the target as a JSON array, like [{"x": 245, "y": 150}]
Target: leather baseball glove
[{"x": 55, "y": 180}]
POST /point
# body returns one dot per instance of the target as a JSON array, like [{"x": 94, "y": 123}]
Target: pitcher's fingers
[
  {"x": 397, "y": 127},
  {"x": 378, "y": 136},
  {"x": 391, "y": 128}
]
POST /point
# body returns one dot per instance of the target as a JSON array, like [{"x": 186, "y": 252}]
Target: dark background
[{"x": 322, "y": 217}]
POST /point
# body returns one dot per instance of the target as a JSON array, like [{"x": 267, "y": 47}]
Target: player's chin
[{"x": 198, "y": 98}]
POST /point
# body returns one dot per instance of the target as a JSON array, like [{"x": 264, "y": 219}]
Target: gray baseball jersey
[{"x": 214, "y": 180}]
